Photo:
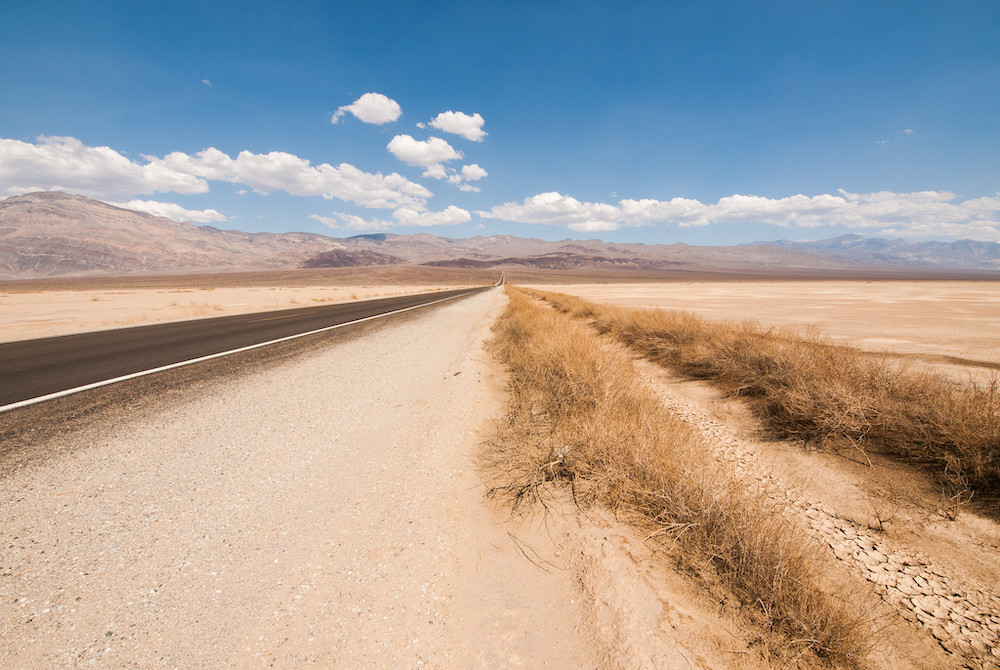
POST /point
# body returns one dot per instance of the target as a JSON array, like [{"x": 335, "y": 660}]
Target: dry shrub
[
  {"x": 578, "y": 413},
  {"x": 806, "y": 388}
]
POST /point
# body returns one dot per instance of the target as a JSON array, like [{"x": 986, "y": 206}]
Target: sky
[{"x": 657, "y": 122}]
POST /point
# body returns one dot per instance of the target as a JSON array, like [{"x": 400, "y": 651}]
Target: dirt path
[{"x": 324, "y": 511}]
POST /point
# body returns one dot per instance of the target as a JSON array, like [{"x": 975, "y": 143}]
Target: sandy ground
[
  {"x": 928, "y": 321},
  {"x": 891, "y": 528},
  {"x": 30, "y": 314},
  {"x": 324, "y": 511}
]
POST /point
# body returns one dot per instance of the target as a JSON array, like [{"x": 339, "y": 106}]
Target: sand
[
  {"x": 31, "y": 314},
  {"x": 928, "y": 321}
]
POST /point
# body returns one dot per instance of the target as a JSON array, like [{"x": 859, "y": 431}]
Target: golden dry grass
[
  {"x": 578, "y": 413},
  {"x": 806, "y": 388}
]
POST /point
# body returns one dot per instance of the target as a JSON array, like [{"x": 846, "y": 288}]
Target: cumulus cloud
[
  {"x": 373, "y": 108},
  {"x": 924, "y": 213},
  {"x": 280, "y": 171},
  {"x": 459, "y": 123},
  {"x": 341, "y": 221},
  {"x": 425, "y": 153},
  {"x": 206, "y": 83},
  {"x": 66, "y": 164},
  {"x": 173, "y": 211},
  {"x": 451, "y": 216}
]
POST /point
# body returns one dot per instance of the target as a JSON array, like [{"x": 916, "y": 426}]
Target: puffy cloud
[
  {"x": 173, "y": 211},
  {"x": 459, "y": 123},
  {"x": 424, "y": 153},
  {"x": 451, "y": 216},
  {"x": 351, "y": 222},
  {"x": 473, "y": 172},
  {"x": 280, "y": 171},
  {"x": 206, "y": 83},
  {"x": 66, "y": 164},
  {"x": 925, "y": 213},
  {"x": 373, "y": 108},
  {"x": 555, "y": 209}
]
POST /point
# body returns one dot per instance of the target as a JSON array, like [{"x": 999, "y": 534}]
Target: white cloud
[
  {"x": 925, "y": 213},
  {"x": 373, "y": 108},
  {"x": 341, "y": 221},
  {"x": 473, "y": 172},
  {"x": 206, "y": 83},
  {"x": 66, "y": 164},
  {"x": 449, "y": 217},
  {"x": 423, "y": 153},
  {"x": 172, "y": 211},
  {"x": 280, "y": 171},
  {"x": 459, "y": 123}
]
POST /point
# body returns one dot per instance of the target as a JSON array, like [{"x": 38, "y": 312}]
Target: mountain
[
  {"x": 45, "y": 234},
  {"x": 49, "y": 234},
  {"x": 960, "y": 255}
]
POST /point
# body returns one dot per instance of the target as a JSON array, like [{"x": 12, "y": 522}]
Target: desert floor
[
  {"x": 954, "y": 325},
  {"x": 325, "y": 508},
  {"x": 40, "y": 313}
]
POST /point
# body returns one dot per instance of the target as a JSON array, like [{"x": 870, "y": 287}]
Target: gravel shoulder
[{"x": 322, "y": 511}]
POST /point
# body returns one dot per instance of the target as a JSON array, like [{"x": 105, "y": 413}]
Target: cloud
[
  {"x": 206, "y": 83},
  {"x": 172, "y": 211},
  {"x": 427, "y": 153},
  {"x": 341, "y": 221},
  {"x": 280, "y": 171},
  {"x": 473, "y": 172},
  {"x": 373, "y": 108},
  {"x": 451, "y": 216},
  {"x": 458, "y": 123},
  {"x": 924, "y": 213},
  {"x": 896, "y": 135},
  {"x": 66, "y": 164}
]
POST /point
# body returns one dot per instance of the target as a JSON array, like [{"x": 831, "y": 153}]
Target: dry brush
[{"x": 578, "y": 413}]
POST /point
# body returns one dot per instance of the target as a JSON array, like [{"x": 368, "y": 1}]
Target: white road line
[{"x": 106, "y": 382}]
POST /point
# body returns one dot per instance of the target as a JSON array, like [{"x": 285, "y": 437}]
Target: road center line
[{"x": 162, "y": 368}]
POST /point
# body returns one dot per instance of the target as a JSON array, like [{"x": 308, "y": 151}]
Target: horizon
[{"x": 714, "y": 125}]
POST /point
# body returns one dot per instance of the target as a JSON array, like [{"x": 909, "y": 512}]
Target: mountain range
[{"x": 51, "y": 234}]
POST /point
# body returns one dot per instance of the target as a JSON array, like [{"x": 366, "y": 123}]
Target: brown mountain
[
  {"x": 45, "y": 234},
  {"x": 48, "y": 234}
]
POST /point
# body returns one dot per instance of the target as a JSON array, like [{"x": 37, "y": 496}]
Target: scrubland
[
  {"x": 582, "y": 414},
  {"x": 828, "y": 395},
  {"x": 577, "y": 413}
]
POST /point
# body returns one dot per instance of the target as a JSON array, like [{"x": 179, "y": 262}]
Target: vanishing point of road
[{"x": 31, "y": 369}]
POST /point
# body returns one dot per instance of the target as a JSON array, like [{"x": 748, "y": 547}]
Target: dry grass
[
  {"x": 578, "y": 413},
  {"x": 805, "y": 388}
]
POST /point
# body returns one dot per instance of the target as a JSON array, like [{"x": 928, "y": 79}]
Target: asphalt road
[{"x": 34, "y": 368}]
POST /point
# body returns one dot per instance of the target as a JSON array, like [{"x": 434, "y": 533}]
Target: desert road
[{"x": 37, "y": 368}]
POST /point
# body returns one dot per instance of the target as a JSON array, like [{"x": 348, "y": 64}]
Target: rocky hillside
[
  {"x": 46, "y": 234},
  {"x": 960, "y": 255},
  {"x": 49, "y": 234}
]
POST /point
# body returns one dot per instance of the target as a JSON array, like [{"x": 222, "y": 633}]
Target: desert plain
[{"x": 328, "y": 510}]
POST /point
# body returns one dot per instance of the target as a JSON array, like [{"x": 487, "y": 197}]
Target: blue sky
[{"x": 656, "y": 122}]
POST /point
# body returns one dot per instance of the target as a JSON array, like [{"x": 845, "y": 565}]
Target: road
[
  {"x": 322, "y": 511},
  {"x": 36, "y": 368}
]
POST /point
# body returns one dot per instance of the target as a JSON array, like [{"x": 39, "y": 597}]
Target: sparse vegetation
[
  {"x": 830, "y": 396},
  {"x": 578, "y": 414}
]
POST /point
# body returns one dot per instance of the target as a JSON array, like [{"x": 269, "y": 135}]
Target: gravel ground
[{"x": 322, "y": 511}]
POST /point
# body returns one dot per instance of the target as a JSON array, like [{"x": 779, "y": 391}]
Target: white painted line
[{"x": 106, "y": 382}]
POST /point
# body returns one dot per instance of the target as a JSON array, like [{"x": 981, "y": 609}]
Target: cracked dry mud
[{"x": 959, "y": 611}]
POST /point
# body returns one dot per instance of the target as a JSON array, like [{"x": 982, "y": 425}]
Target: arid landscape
[{"x": 465, "y": 573}]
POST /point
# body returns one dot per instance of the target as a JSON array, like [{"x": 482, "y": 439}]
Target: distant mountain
[
  {"x": 960, "y": 255},
  {"x": 45, "y": 234},
  {"x": 49, "y": 234}
]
